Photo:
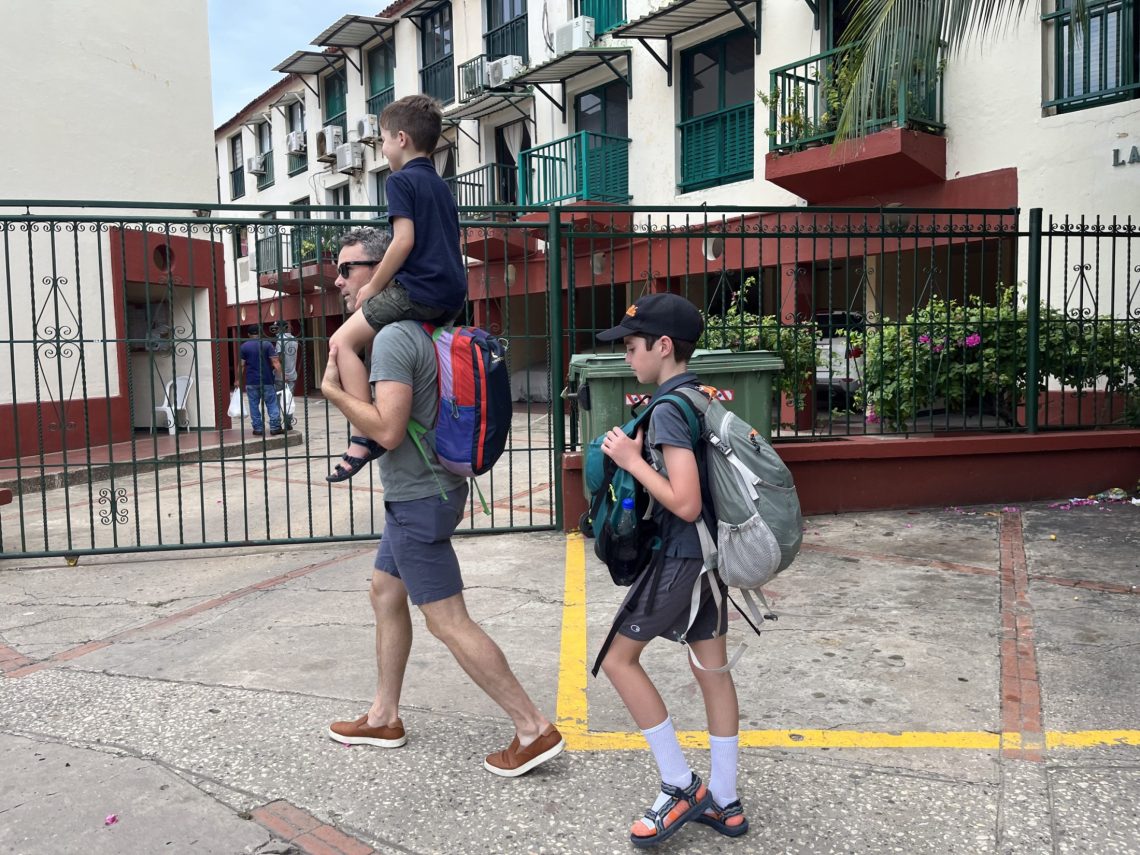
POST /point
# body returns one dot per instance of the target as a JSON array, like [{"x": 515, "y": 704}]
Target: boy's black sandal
[
  {"x": 699, "y": 799},
  {"x": 720, "y": 816},
  {"x": 352, "y": 465}
]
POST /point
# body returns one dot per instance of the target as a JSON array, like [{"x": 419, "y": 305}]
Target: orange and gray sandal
[
  {"x": 684, "y": 803},
  {"x": 728, "y": 820}
]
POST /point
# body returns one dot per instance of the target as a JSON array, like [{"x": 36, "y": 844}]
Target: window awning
[
  {"x": 355, "y": 30},
  {"x": 352, "y": 31},
  {"x": 680, "y": 17},
  {"x": 490, "y": 102},
  {"x": 307, "y": 62},
  {"x": 287, "y": 98},
  {"x": 571, "y": 64}
]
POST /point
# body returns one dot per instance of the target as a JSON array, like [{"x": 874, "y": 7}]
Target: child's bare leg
[
  {"x": 622, "y": 666},
  {"x": 353, "y": 336}
]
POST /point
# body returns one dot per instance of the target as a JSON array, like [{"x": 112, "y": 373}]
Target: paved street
[{"x": 940, "y": 681}]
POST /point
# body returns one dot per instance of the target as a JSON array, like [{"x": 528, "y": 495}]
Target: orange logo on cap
[{"x": 631, "y": 311}]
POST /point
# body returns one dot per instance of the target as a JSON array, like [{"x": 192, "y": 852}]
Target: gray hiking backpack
[{"x": 759, "y": 525}]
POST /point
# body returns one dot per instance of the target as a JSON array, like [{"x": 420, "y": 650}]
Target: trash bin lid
[
  {"x": 587, "y": 366},
  {"x": 749, "y": 361}
]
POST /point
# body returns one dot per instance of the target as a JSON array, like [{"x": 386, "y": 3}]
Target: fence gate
[{"x": 119, "y": 354}]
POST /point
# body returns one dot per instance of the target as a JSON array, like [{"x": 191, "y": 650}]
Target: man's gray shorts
[{"x": 416, "y": 546}]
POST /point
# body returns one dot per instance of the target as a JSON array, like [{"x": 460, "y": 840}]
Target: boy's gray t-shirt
[{"x": 403, "y": 353}]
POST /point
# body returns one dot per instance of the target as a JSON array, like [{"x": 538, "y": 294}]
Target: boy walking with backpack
[
  {"x": 660, "y": 332},
  {"x": 421, "y": 276}
]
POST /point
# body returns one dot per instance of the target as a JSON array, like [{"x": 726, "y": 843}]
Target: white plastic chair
[{"x": 173, "y": 407}]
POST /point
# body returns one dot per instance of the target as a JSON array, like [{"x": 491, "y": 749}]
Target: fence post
[
  {"x": 557, "y": 405},
  {"x": 1033, "y": 320}
]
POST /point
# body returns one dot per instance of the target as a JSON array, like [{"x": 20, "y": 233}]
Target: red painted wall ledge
[{"x": 870, "y": 473}]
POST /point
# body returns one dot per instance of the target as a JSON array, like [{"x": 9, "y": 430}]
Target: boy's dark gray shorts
[
  {"x": 667, "y": 615},
  {"x": 393, "y": 304},
  {"x": 416, "y": 547}
]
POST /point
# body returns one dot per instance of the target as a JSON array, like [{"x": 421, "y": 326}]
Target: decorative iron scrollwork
[{"x": 113, "y": 514}]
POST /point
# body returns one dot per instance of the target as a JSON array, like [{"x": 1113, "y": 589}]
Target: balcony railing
[
  {"x": 237, "y": 183},
  {"x": 493, "y": 184},
  {"x": 298, "y": 163},
  {"x": 585, "y": 166},
  {"x": 472, "y": 78},
  {"x": 607, "y": 14},
  {"x": 716, "y": 148},
  {"x": 269, "y": 253},
  {"x": 508, "y": 39},
  {"x": 805, "y": 98},
  {"x": 266, "y": 178},
  {"x": 376, "y": 103},
  {"x": 341, "y": 119},
  {"x": 438, "y": 79},
  {"x": 310, "y": 243}
]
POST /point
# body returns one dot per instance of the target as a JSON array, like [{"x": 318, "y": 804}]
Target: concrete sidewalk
[{"x": 943, "y": 681}]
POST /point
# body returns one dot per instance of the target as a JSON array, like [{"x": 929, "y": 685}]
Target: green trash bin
[{"x": 604, "y": 387}]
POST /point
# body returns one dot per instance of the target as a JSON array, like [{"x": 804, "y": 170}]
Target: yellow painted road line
[
  {"x": 1091, "y": 738},
  {"x": 571, "y": 713},
  {"x": 573, "y": 716}
]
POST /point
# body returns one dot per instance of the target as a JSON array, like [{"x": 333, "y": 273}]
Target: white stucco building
[
  {"x": 656, "y": 104},
  {"x": 108, "y": 103}
]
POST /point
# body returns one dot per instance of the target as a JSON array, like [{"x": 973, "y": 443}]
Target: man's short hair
[
  {"x": 418, "y": 116},
  {"x": 375, "y": 241},
  {"x": 253, "y": 330}
]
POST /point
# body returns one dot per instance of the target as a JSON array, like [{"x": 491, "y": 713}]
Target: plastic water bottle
[{"x": 627, "y": 519}]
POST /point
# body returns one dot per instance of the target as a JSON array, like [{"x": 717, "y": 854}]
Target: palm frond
[{"x": 896, "y": 37}]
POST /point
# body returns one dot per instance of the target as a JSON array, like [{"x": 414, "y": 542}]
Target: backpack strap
[{"x": 692, "y": 401}]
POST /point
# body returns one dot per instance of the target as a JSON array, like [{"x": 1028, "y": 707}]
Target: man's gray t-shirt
[
  {"x": 402, "y": 352},
  {"x": 287, "y": 351}
]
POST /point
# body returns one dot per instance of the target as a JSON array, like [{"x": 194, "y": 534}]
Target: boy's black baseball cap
[{"x": 659, "y": 314}]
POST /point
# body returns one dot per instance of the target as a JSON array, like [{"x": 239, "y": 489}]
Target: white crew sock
[
  {"x": 671, "y": 763},
  {"x": 722, "y": 777},
  {"x": 666, "y": 750}
]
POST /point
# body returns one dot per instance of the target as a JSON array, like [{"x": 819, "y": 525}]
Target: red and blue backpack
[{"x": 474, "y": 414}]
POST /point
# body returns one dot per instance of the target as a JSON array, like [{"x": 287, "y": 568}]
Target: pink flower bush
[{"x": 973, "y": 340}]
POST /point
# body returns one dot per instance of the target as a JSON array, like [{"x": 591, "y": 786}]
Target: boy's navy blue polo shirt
[{"x": 433, "y": 272}]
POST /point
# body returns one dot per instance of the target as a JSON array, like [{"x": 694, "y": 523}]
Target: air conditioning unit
[
  {"x": 296, "y": 143},
  {"x": 330, "y": 137},
  {"x": 349, "y": 157},
  {"x": 255, "y": 165},
  {"x": 500, "y": 70},
  {"x": 574, "y": 34},
  {"x": 368, "y": 128},
  {"x": 474, "y": 79}
]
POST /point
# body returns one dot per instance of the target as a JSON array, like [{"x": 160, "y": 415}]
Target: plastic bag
[{"x": 237, "y": 405}]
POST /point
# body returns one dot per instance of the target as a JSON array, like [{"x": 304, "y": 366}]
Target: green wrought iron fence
[
  {"x": 121, "y": 438},
  {"x": 123, "y": 348},
  {"x": 484, "y": 186},
  {"x": 438, "y": 79},
  {"x": 298, "y": 163},
  {"x": 265, "y": 179},
  {"x": 587, "y": 166},
  {"x": 472, "y": 78},
  {"x": 508, "y": 39},
  {"x": 377, "y": 102},
  {"x": 1100, "y": 68},
  {"x": 805, "y": 98}
]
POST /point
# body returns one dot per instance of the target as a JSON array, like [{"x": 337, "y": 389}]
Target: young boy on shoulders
[
  {"x": 660, "y": 332},
  {"x": 421, "y": 276}
]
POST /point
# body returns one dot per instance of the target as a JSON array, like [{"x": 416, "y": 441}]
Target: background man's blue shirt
[{"x": 255, "y": 353}]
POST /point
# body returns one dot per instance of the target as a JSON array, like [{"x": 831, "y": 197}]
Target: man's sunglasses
[{"x": 345, "y": 267}]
